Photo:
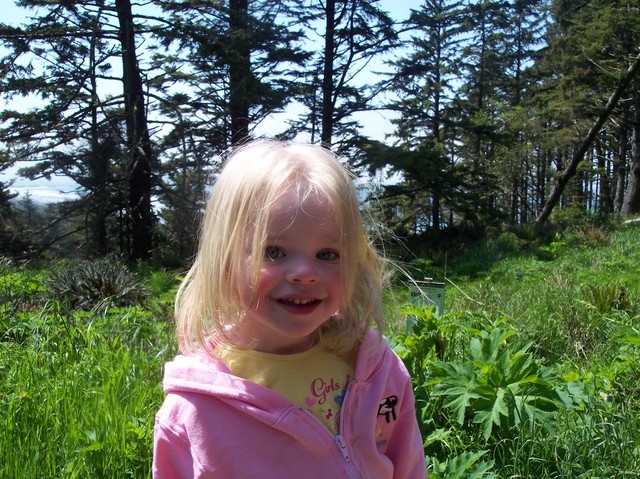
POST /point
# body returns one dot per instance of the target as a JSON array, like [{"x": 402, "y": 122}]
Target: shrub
[
  {"x": 90, "y": 284},
  {"x": 478, "y": 385}
]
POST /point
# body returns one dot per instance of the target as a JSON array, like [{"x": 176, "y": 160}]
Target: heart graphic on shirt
[
  {"x": 310, "y": 401},
  {"x": 340, "y": 398}
]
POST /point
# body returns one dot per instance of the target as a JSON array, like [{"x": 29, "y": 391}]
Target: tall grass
[
  {"x": 570, "y": 303},
  {"x": 532, "y": 371},
  {"x": 78, "y": 389},
  {"x": 576, "y": 303}
]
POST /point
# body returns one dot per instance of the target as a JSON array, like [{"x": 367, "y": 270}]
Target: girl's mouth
[
  {"x": 299, "y": 305},
  {"x": 298, "y": 301}
]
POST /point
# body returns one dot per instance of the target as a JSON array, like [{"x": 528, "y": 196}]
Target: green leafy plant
[
  {"x": 607, "y": 296},
  {"x": 551, "y": 251},
  {"x": 500, "y": 386},
  {"x": 467, "y": 465},
  {"x": 89, "y": 284},
  {"x": 424, "y": 340}
]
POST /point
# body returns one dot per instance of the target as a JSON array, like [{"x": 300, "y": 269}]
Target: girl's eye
[
  {"x": 272, "y": 253},
  {"x": 328, "y": 255}
]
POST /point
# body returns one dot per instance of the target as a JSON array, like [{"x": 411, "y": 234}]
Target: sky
[{"x": 375, "y": 124}]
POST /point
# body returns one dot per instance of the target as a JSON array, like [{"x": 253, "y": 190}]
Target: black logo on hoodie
[{"x": 387, "y": 408}]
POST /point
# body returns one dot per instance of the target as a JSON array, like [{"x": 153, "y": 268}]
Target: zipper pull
[{"x": 342, "y": 445}]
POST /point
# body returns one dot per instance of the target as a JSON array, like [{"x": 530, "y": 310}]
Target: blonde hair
[{"x": 210, "y": 302}]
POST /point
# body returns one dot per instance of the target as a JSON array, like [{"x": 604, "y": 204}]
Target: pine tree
[
  {"x": 590, "y": 64},
  {"x": 65, "y": 57},
  {"x": 423, "y": 83},
  {"x": 226, "y": 67},
  {"x": 351, "y": 34},
  {"x": 8, "y": 231}
]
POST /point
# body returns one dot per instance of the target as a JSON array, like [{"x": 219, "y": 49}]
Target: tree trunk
[
  {"x": 620, "y": 166},
  {"x": 435, "y": 211},
  {"x": 631, "y": 203},
  {"x": 139, "y": 145},
  {"x": 579, "y": 153},
  {"x": 604, "y": 199},
  {"x": 98, "y": 166},
  {"x": 239, "y": 71},
  {"x": 327, "y": 79}
]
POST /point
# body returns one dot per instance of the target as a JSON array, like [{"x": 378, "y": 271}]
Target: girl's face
[{"x": 300, "y": 282}]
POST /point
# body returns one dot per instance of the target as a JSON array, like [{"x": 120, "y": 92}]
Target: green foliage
[
  {"x": 484, "y": 255},
  {"x": 78, "y": 389},
  {"x": 496, "y": 386},
  {"x": 573, "y": 303},
  {"x": 633, "y": 338},
  {"x": 606, "y": 297},
  {"x": 467, "y": 465},
  {"x": 88, "y": 284},
  {"x": 488, "y": 389},
  {"x": 425, "y": 341},
  {"x": 551, "y": 251},
  {"x": 534, "y": 366},
  {"x": 501, "y": 387},
  {"x": 19, "y": 290},
  {"x": 19, "y": 287}
]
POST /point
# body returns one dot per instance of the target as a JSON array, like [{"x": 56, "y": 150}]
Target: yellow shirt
[{"x": 315, "y": 379}]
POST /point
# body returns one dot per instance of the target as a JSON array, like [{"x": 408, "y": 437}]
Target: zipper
[
  {"x": 339, "y": 440},
  {"x": 342, "y": 445}
]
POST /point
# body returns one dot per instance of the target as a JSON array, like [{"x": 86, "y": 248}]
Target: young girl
[{"x": 282, "y": 375}]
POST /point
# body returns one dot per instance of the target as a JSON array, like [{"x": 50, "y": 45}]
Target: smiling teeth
[{"x": 299, "y": 301}]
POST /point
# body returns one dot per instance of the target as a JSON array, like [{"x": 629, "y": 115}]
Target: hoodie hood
[{"x": 204, "y": 374}]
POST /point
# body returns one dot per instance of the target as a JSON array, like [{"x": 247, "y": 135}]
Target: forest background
[
  {"x": 510, "y": 172},
  {"x": 503, "y": 112}
]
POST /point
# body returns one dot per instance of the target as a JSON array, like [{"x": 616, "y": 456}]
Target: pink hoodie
[{"x": 216, "y": 425}]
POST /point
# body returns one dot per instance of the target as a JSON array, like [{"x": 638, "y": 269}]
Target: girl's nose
[{"x": 302, "y": 271}]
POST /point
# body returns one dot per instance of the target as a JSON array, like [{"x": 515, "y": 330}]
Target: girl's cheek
[
  {"x": 264, "y": 280},
  {"x": 249, "y": 292},
  {"x": 337, "y": 275}
]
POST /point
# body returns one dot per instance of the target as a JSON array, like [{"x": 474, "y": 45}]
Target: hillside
[{"x": 532, "y": 370}]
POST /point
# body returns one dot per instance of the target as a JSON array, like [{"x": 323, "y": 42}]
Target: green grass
[
  {"x": 78, "y": 389},
  {"x": 532, "y": 371}
]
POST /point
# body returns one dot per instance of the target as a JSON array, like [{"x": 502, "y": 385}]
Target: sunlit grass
[{"x": 79, "y": 389}]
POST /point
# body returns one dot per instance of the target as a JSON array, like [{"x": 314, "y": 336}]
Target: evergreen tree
[
  {"x": 227, "y": 66},
  {"x": 423, "y": 83},
  {"x": 352, "y": 33},
  {"x": 526, "y": 22},
  {"x": 139, "y": 158},
  {"x": 8, "y": 230},
  {"x": 64, "y": 57},
  {"x": 222, "y": 68},
  {"x": 479, "y": 102},
  {"x": 590, "y": 65}
]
